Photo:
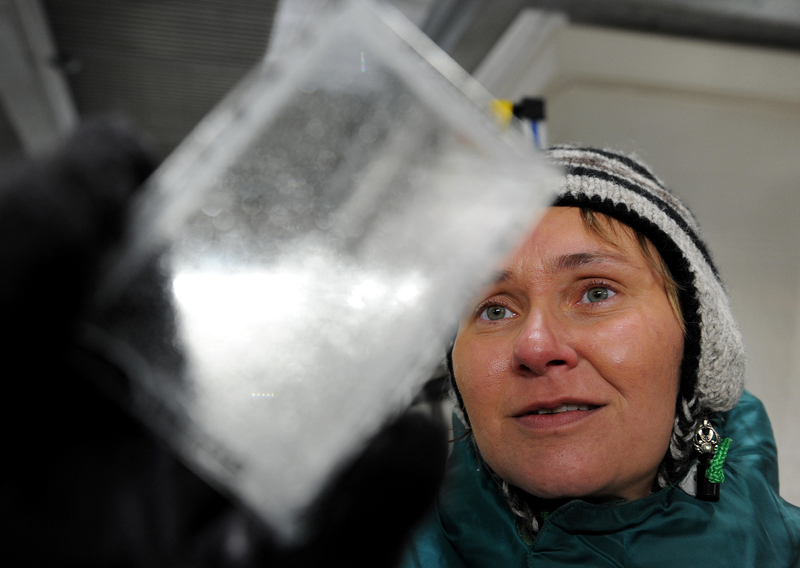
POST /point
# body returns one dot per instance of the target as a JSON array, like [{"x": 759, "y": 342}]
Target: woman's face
[{"x": 569, "y": 365}]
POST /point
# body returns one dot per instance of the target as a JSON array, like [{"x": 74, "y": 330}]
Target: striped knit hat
[{"x": 712, "y": 373}]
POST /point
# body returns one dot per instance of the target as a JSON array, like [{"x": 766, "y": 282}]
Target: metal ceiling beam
[
  {"x": 33, "y": 90},
  {"x": 467, "y": 29}
]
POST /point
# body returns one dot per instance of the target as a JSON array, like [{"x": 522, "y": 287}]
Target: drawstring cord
[
  {"x": 714, "y": 472},
  {"x": 713, "y": 452}
]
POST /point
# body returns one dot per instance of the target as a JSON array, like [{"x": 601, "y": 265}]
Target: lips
[
  {"x": 547, "y": 416},
  {"x": 556, "y": 407},
  {"x": 563, "y": 408}
]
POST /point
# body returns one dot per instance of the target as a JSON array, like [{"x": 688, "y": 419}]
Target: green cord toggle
[{"x": 714, "y": 472}]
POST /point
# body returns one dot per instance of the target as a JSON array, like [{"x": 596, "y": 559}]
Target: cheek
[
  {"x": 661, "y": 353},
  {"x": 615, "y": 347},
  {"x": 479, "y": 367},
  {"x": 635, "y": 348},
  {"x": 640, "y": 357}
]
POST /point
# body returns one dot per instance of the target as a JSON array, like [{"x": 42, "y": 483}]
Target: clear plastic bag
[{"x": 297, "y": 267}]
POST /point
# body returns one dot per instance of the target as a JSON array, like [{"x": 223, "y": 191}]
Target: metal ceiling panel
[
  {"x": 771, "y": 23},
  {"x": 163, "y": 63}
]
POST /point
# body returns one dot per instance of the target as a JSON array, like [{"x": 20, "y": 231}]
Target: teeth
[{"x": 564, "y": 408}]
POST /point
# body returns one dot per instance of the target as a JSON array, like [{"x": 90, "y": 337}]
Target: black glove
[
  {"x": 58, "y": 215},
  {"x": 85, "y": 483}
]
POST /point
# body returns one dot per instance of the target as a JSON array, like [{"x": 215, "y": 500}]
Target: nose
[{"x": 543, "y": 345}]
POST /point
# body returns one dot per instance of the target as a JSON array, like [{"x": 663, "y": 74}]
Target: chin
[
  {"x": 591, "y": 489},
  {"x": 560, "y": 483},
  {"x": 550, "y": 486},
  {"x": 560, "y": 490}
]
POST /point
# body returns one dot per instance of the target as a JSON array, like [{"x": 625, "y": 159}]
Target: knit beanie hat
[{"x": 712, "y": 370}]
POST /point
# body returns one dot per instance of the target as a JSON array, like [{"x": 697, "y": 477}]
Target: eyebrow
[
  {"x": 502, "y": 276},
  {"x": 566, "y": 262},
  {"x": 572, "y": 261}
]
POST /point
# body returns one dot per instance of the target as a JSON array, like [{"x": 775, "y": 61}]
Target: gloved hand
[
  {"x": 86, "y": 484},
  {"x": 58, "y": 215}
]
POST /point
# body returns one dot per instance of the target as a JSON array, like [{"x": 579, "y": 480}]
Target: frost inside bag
[{"x": 298, "y": 265}]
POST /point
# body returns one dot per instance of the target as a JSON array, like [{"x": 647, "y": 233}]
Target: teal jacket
[{"x": 472, "y": 526}]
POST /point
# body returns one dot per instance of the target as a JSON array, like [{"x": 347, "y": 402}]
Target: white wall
[{"x": 720, "y": 124}]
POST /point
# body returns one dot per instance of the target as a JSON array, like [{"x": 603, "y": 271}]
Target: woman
[{"x": 593, "y": 379}]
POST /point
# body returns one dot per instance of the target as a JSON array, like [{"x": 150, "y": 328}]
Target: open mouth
[{"x": 565, "y": 408}]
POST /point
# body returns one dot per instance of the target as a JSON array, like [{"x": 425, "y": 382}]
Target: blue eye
[
  {"x": 597, "y": 294},
  {"x": 494, "y": 313}
]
